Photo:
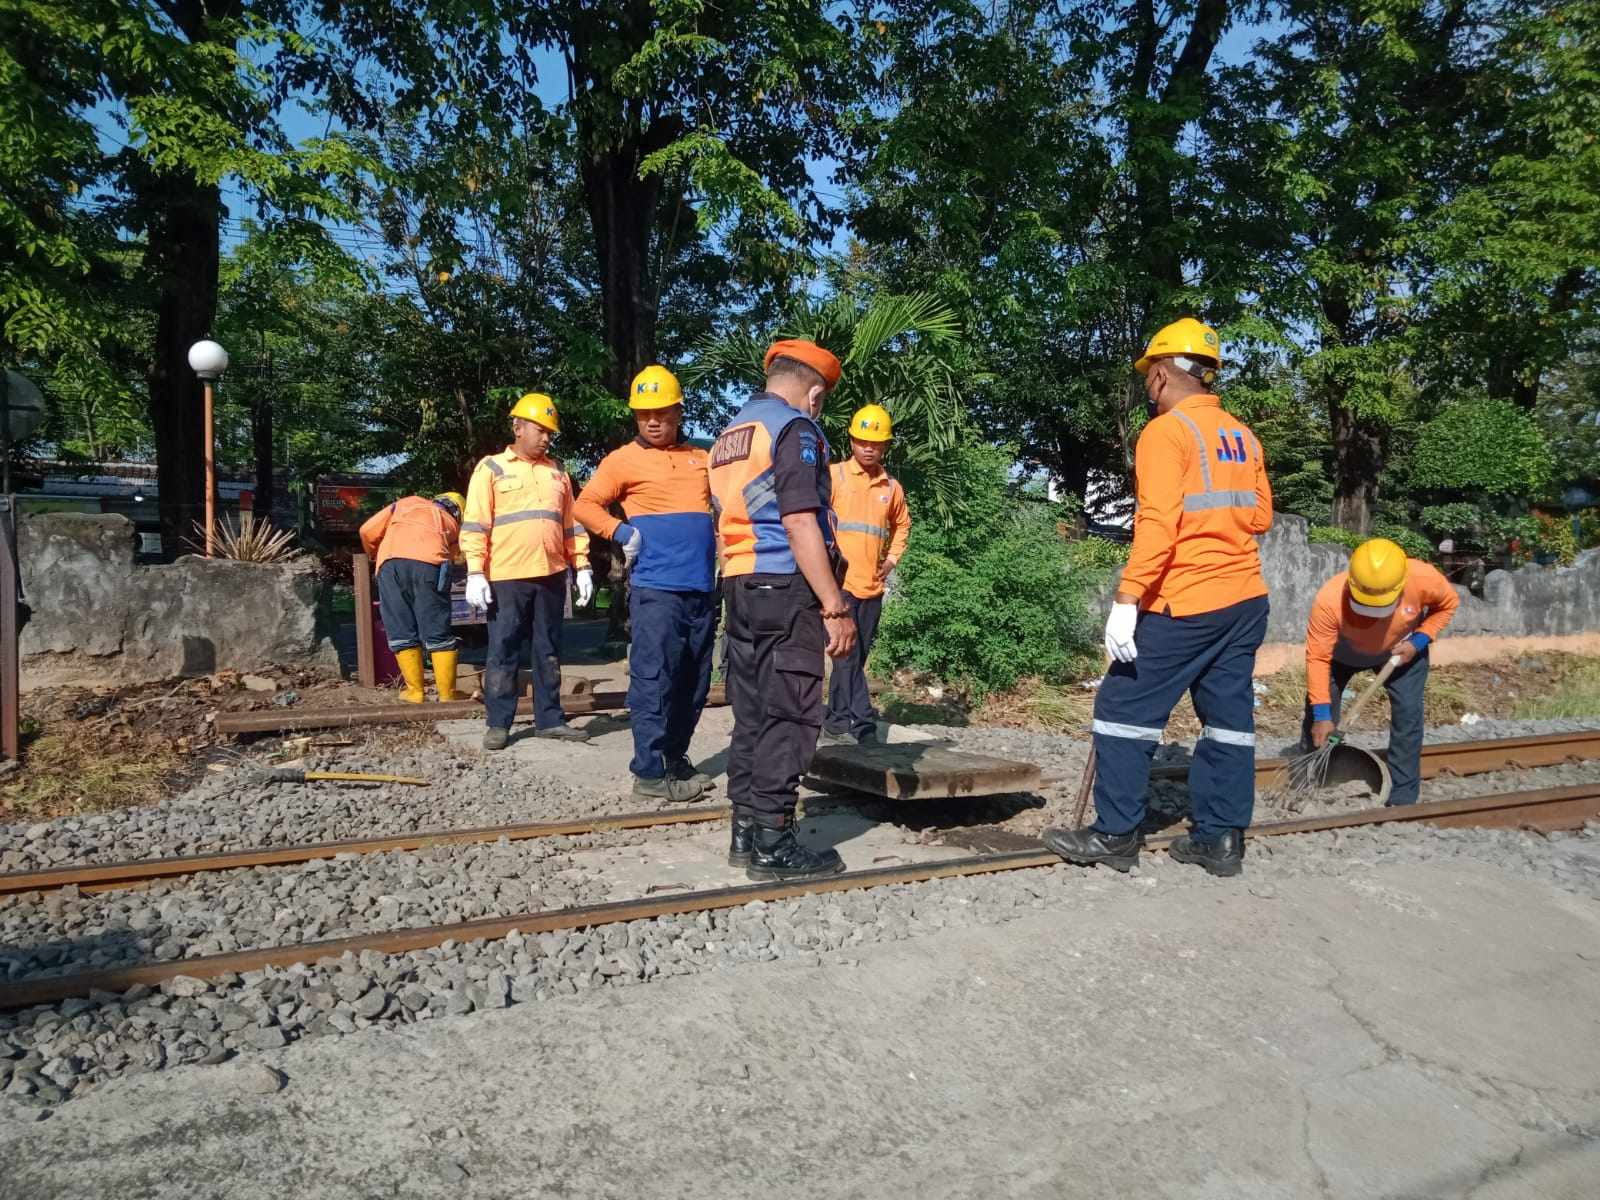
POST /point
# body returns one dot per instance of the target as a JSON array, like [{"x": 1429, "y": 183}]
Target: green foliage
[
  {"x": 1333, "y": 535},
  {"x": 992, "y": 598},
  {"x": 1413, "y": 543},
  {"x": 1096, "y": 554},
  {"x": 903, "y": 352},
  {"x": 1486, "y": 446},
  {"x": 1544, "y": 538}
]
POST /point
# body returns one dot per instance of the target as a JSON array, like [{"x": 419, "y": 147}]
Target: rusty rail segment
[
  {"x": 106, "y": 877},
  {"x": 1548, "y": 809},
  {"x": 289, "y": 721},
  {"x": 1462, "y": 758}
]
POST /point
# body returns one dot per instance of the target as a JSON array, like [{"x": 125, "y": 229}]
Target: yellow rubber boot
[
  {"x": 411, "y": 671},
  {"x": 444, "y": 674}
]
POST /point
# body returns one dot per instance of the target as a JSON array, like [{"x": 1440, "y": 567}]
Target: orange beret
[{"x": 813, "y": 355}]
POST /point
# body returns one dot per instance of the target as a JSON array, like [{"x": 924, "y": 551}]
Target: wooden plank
[
  {"x": 919, "y": 771},
  {"x": 366, "y": 665}
]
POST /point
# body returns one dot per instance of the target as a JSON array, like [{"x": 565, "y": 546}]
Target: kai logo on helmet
[
  {"x": 654, "y": 387},
  {"x": 538, "y": 408},
  {"x": 872, "y": 423}
]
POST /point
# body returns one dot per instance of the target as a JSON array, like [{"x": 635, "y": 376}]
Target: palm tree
[{"x": 904, "y": 352}]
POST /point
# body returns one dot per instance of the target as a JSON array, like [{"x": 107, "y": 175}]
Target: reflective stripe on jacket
[
  {"x": 745, "y": 493},
  {"x": 412, "y": 527},
  {"x": 519, "y": 522},
  {"x": 666, "y": 494},
  {"x": 1203, "y": 495},
  {"x": 872, "y": 523},
  {"x": 1336, "y": 631}
]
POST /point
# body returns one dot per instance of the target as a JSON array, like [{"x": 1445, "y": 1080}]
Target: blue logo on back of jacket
[{"x": 1235, "y": 452}]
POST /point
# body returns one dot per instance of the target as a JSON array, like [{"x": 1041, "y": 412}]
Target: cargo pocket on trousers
[{"x": 796, "y": 691}]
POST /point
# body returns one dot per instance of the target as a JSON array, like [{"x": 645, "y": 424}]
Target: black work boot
[
  {"x": 678, "y": 791},
  {"x": 1086, "y": 847},
  {"x": 1223, "y": 855},
  {"x": 682, "y": 768},
  {"x": 742, "y": 840},
  {"x": 494, "y": 738},
  {"x": 562, "y": 733},
  {"x": 777, "y": 856}
]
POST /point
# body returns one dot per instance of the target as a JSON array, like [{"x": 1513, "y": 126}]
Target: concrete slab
[
  {"x": 920, "y": 771},
  {"x": 1150, "y": 1039}
]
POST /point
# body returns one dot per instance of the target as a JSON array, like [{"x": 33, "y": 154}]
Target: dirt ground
[{"x": 92, "y": 749}]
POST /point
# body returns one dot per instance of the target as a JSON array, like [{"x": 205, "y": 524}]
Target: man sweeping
[{"x": 1386, "y": 605}]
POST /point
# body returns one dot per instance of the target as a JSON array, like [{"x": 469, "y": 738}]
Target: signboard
[{"x": 339, "y": 506}]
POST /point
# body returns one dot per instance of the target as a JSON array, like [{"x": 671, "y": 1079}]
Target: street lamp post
[{"x": 209, "y": 361}]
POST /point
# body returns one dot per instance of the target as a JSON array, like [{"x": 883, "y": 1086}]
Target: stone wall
[
  {"x": 98, "y": 617},
  {"x": 1530, "y": 602}
]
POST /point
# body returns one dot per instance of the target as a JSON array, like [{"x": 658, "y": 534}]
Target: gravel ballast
[{"x": 50, "y": 1053}]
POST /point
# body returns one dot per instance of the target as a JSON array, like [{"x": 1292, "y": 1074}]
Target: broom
[{"x": 1294, "y": 782}]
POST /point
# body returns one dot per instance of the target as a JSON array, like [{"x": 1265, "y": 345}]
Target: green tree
[{"x": 903, "y": 352}]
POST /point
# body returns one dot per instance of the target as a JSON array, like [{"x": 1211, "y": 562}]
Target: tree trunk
[
  {"x": 182, "y": 255},
  {"x": 1357, "y": 456},
  {"x": 622, "y": 211},
  {"x": 261, "y": 434}
]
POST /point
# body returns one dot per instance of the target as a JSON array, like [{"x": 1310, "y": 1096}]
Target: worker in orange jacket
[
  {"x": 1384, "y": 606},
  {"x": 668, "y": 543},
  {"x": 411, "y": 543},
  {"x": 519, "y": 538},
  {"x": 1189, "y": 615},
  {"x": 872, "y": 523}
]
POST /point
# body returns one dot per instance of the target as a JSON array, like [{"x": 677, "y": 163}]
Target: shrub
[
  {"x": 1482, "y": 447},
  {"x": 1096, "y": 554},
  {"x": 1409, "y": 540},
  {"x": 992, "y": 597}
]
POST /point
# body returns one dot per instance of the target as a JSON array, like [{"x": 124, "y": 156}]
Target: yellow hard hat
[
  {"x": 455, "y": 500},
  {"x": 872, "y": 423},
  {"x": 1377, "y": 573},
  {"x": 540, "y": 409},
  {"x": 1185, "y": 336},
  {"x": 654, "y": 387}
]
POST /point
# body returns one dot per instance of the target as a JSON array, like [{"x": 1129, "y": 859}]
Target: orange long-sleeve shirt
[
  {"x": 519, "y": 522},
  {"x": 873, "y": 523},
  {"x": 1336, "y": 631},
  {"x": 1203, "y": 496},
  {"x": 412, "y": 527},
  {"x": 666, "y": 494}
]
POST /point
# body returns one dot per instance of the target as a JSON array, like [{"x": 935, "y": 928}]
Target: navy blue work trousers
[
  {"x": 1211, "y": 656},
  {"x": 416, "y": 610},
  {"x": 850, "y": 710},
  {"x": 669, "y": 673},
  {"x": 1405, "y": 688},
  {"x": 524, "y": 609}
]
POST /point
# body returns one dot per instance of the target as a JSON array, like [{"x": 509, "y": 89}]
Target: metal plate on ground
[{"x": 918, "y": 771}]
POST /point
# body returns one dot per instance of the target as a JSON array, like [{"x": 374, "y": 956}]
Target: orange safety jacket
[
  {"x": 744, "y": 492},
  {"x": 1336, "y": 631},
  {"x": 519, "y": 522},
  {"x": 412, "y": 527},
  {"x": 1203, "y": 495},
  {"x": 872, "y": 523}
]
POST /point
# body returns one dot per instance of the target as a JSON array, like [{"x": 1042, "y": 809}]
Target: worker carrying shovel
[
  {"x": 1386, "y": 605},
  {"x": 413, "y": 541}
]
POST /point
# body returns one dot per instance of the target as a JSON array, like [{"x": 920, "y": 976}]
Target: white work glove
[
  {"x": 632, "y": 541},
  {"x": 478, "y": 593},
  {"x": 1119, "y": 632},
  {"x": 585, "y": 587}
]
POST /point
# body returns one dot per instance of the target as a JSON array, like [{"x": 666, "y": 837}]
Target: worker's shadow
[{"x": 604, "y": 723}]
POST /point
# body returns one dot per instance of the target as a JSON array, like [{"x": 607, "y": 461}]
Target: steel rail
[
  {"x": 1548, "y": 809},
  {"x": 1461, "y": 758},
  {"x": 101, "y": 877}
]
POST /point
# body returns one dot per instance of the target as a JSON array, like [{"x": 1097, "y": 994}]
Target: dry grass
[
  {"x": 66, "y": 773},
  {"x": 1036, "y": 704},
  {"x": 1574, "y": 693},
  {"x": 253, "y": 541}
]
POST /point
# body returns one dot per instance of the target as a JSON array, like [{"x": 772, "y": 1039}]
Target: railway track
[
  {"x": 1546, "y": 810},
  {"x": 1450, "y": 758}
]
